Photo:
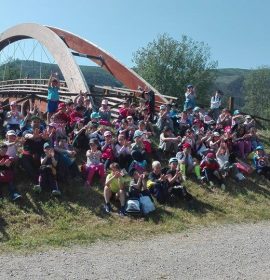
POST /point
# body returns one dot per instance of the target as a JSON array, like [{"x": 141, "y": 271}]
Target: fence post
[{"x": 231, "y": 103}]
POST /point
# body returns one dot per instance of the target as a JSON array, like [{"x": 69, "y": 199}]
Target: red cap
[
  {"x": 210, "y": 155},
  {"x": 61, "y": 106},
  {"x": 186, "y": 146}
]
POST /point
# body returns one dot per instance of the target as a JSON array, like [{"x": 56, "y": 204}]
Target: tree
[
  {"x": 257, "y": 92},
  {"x": 169, "y": 65},
  {"x": 9, "y": 70}
]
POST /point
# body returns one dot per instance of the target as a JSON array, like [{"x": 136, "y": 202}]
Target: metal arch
[
  {"x": 72, "y": 74},
  {"x": 127, "y": 76}
]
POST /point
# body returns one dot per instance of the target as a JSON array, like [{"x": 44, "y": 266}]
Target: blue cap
[
  {"x": 259, "y": 148},
  {"x": 95, "y": 115},
  {"x": 236, "y": 112},
  {"x": 189, "y": 86},
  {"x": 137, "y": 133},
  {"x": 47, "y": 145}
]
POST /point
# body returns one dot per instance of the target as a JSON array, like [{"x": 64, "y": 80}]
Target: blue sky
[{"x": 237, "y": 31}]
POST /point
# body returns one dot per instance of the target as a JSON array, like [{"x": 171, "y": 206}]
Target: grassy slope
[{"x": 77, "y": 218}]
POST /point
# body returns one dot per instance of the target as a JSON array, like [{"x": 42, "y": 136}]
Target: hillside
[
  {"x": 94, "y": 75},
  {"x": 229, "y": 80}
]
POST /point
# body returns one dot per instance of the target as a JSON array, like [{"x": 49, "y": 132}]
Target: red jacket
[{"x": 213, "y": 165}]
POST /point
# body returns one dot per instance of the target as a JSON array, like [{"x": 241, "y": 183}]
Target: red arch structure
[{"x": 61, "y": 43}]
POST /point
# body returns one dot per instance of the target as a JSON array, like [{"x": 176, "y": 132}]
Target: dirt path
[{"x": 227, "y": 252}]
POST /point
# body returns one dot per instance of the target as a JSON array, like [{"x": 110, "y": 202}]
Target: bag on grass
[
  {"x": 147, "y": 204},
  {"x": 244, "y": 167},
  {"x": 133, "y": 206}
]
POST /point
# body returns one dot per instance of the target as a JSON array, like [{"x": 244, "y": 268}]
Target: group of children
[{"x": 121, "y": 153}]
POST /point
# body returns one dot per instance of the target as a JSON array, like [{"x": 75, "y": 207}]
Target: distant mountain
[
  {"x": 16, "y": 69},
  {"x": 229, "y": 80}
]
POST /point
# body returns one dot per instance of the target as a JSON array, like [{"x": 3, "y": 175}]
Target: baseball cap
[
  {"x": 61, "y": 106},
  {"x": 107, "y": 133},
  {"x": 259, "y": 148},
  {"x": 186, "y": 146},
  {"x": 189, "y": 86},
  {"x": 13, "y": 103},
  {"x": 47, "y": 145},
  {"x": 210, "y": 155},
  {"x": 216, "y": 134},
  {"x": 196, "y": 109},
  {"x": 11, "y": 132},
  {"x": 95, "y": 115},
  {"x": 174, "y": 159},
  {"x": 104, "y": 102},
  {"x": 137, "y": 133}
]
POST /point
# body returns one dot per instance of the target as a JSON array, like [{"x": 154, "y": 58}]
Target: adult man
[
  {"x": 53, "y": 95},
  {"x": 215, "y": 104}
]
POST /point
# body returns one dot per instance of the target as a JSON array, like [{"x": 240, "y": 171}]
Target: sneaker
[
  {"x": 37, "y": 189},
  {"x": 108, "y": 208},
  {"x": 203, "y": 179},
  {"x": 223, "y": 187},
  {"x": 56, "y": 193},
  {"x": 122, "y": 212},
  {"x": 240, "y": 177},
  {"x": 211, "y": 184},
  {"x": 15, "y": 196}
]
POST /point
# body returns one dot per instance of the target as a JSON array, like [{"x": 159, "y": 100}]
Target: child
[
  {"x": 94, "y": 164},
  {"x": 174, "y": 178},
  {"x": 47, "y": 177},
  {"x": 6, "y": 173},
  {"x": 108, "y": 149},
  {"x": 138, "y": 163},
  {"x": 187, "y": 163},
  {"x": 123, "y": 153},
  {"x": 114, "y": 185},
  {"x": 67, "y": 157},
  {"x": 168, "y": 142},
  {"x": 11, "y": 143},
  {"x": 210, "y": 169},
  {"x": 261, "y": 162},
  {"x": 226, "y": 167}
]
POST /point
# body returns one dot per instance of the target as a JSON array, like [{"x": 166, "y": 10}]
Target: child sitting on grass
[
  {"x": 261, "y": 162},
  {"x": 47, "y": 175},
  {"x": 210, "y": 170},
  {"x": 6, "y": 173},
  {"x": 114, "y": 185},
  {"x": 93, "y": 163}
]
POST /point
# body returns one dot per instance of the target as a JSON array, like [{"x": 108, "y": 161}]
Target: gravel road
[{"x": 224, "y": 252}]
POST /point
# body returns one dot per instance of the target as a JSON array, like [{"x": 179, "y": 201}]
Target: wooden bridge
[
  {"x": 63, "y": 46},
  {"x": 36, "y": 89}
]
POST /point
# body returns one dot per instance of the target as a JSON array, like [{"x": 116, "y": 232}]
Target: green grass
[{"x": 39, "y": 222}]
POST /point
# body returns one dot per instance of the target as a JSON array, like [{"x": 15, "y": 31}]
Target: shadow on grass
[
  {"x": 251, "y": 184},
  {"x": 3, "y": 234}
]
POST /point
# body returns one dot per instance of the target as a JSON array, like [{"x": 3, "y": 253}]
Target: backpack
[
  {"x": 147, "y": 204},
  {"x": 133, "y": 207}
]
